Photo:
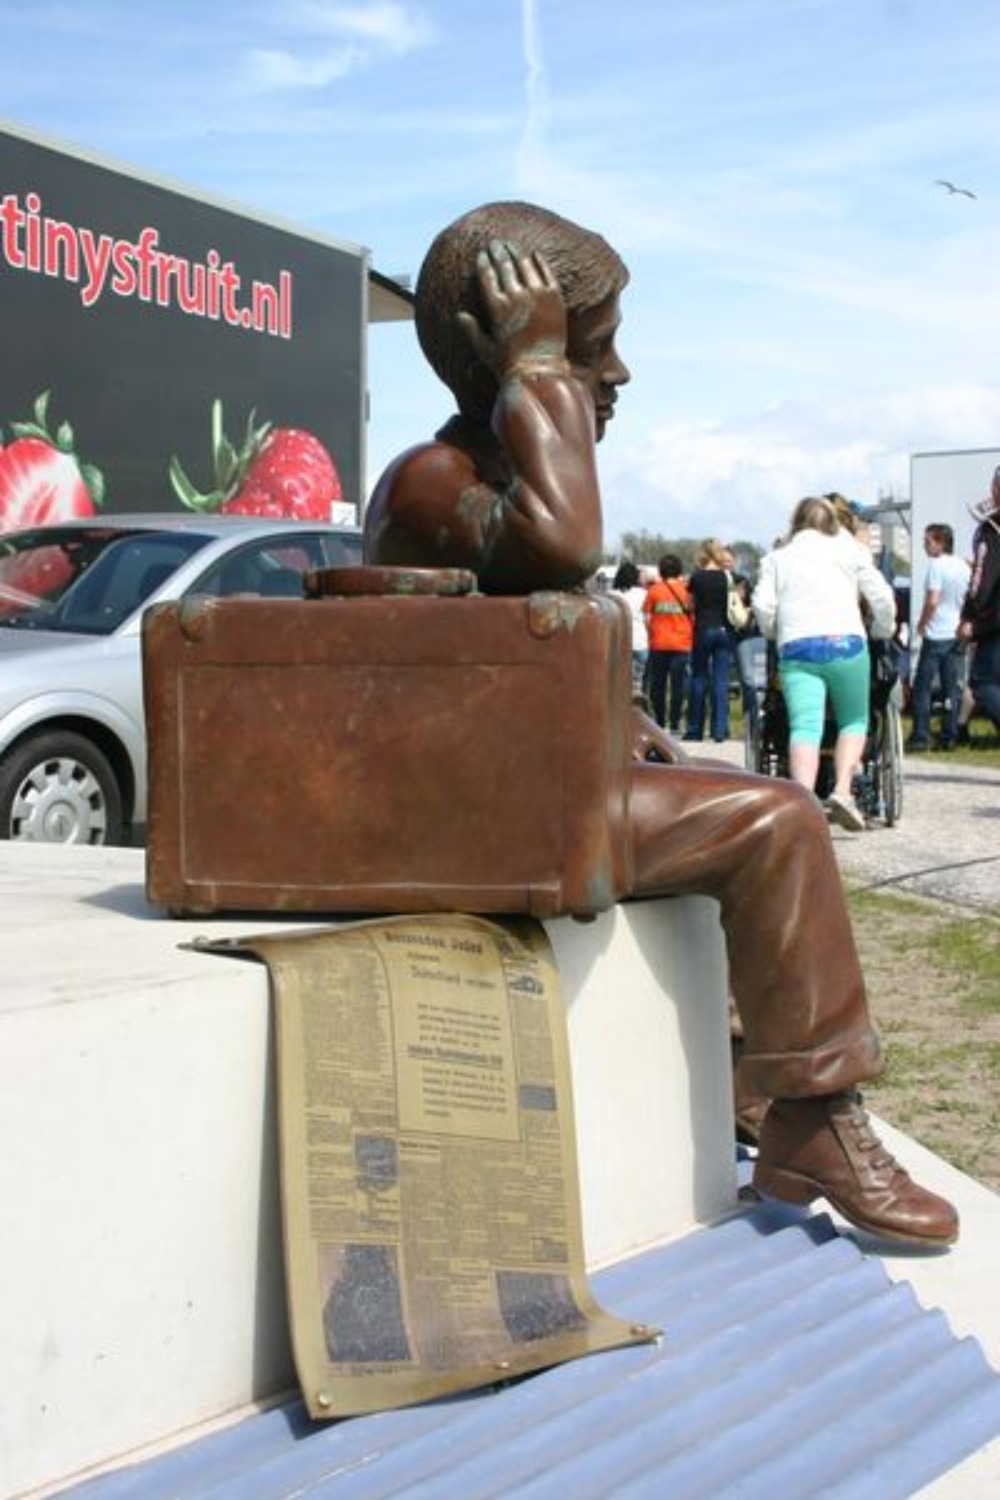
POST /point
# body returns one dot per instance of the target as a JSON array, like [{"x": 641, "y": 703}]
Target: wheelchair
[{"x": 878, "y": 786}]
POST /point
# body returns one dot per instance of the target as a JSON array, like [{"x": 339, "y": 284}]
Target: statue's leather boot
[{"x": 825, "y": 1147}]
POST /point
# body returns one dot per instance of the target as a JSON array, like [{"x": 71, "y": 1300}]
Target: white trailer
[{"x": 943, "y": 487}]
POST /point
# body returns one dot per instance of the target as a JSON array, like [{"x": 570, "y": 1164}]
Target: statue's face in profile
[{"x": 594, "y": 358}]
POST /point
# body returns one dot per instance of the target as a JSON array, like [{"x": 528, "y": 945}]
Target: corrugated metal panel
[{"x": 791, "y": 1366}]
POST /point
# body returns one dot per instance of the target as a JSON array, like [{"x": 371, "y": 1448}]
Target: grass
[
  {"x": 964, "y": 950},
  {"x": 929, "y": 936},
  {"x": 983, "y": 751},
  {"x": 986, "y": 752},
  {"x": 934, "y": 988},
  {"x": 971, "y": 952}
]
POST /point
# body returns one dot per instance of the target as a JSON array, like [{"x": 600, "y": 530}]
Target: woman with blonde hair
[
  {"x": 713, "y": 644},
  {"x": 808, "y": 599}
]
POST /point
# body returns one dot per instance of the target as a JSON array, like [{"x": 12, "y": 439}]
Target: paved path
[{"x": 947, "y": 842}]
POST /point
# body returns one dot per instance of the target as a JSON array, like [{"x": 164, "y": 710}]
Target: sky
[{"x": 808, "y": 305}]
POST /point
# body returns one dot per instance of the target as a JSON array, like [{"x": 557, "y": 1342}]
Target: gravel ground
[{"x": 945, "y": 846}]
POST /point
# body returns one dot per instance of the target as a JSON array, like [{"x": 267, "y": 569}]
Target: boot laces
[{"x": 865, "y": 1138}]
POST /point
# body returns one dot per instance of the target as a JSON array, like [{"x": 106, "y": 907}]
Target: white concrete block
[
  {"x": 140, "y": 1249},
  {"x": 645, "y": 991}
]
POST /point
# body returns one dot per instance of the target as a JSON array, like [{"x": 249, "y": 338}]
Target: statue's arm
[
  {"x": 547, "y": 528},
  {"x": 538, "y": 524}
]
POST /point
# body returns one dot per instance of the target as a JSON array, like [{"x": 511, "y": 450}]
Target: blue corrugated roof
[{"x": 790, "y": 1365}]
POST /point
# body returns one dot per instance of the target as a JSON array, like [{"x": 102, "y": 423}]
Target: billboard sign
[{"x": 160, "y": 347}]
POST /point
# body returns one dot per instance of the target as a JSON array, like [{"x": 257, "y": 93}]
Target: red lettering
[
  {"x": 124, "y": 280},
  {"x": 229, "y": 282},
  {"x": 11, "y": 218},
  {"x": 145, "y": 254},
  {"x": 30, "y": 241},
  {"x": 62, "y": 251},
  {"x": 33, "y": 248},
  {"x": 166, "y": 271},
  {"x": 191, "y": 288},
  {"x": 96, "y": 258},
  {"x": 265, "y": 307}
]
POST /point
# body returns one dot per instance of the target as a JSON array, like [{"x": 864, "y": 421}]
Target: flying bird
[{"x": 963, "y": 192}]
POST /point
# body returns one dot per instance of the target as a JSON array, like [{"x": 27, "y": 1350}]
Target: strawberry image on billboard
[
  {"x": 137, "y": 311},
  {"x": 41, "y": 477},
  {"x": 275, "y": 471}
]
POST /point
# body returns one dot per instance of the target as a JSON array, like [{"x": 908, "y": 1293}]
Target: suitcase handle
[{"x": 352, "y": 582}]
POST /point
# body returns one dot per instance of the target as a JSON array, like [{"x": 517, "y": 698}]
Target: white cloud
[
  {"x": 272, "y": 68},
  {"x": 395, "y": 27},
  {"x": 740, "y": 478},
  {"x": 366, "y": 33}
]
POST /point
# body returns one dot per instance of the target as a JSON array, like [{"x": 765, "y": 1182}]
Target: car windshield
[{"x": 85, "y": 580}]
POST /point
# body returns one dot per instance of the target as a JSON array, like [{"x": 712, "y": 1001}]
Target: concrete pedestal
[{"x": 140, "y": 1249}]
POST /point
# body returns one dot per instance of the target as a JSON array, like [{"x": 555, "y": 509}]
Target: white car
[{"x": 72, "y": 594}]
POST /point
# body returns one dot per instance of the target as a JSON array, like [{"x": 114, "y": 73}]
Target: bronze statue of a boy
[{"x": 517, "y": 311}]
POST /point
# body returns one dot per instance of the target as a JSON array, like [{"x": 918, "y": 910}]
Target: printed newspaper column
[{"x": 431, "y": 1208}]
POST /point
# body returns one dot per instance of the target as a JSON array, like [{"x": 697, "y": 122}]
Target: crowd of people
[
  {"x": 684, "y": 644},
  {"x": 821, "y": 601}
]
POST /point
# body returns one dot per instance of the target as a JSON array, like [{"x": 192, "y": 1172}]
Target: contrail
[{"x": 535, "y": 85}]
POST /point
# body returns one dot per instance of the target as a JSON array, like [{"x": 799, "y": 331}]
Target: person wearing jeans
[
  {"x": 940, "y": 648},
  {"x": 713, "y": 645},
  {"x": 667, "y": 609}
]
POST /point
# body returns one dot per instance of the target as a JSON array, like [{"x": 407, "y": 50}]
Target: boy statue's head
[{"x": 587, "y": 269}]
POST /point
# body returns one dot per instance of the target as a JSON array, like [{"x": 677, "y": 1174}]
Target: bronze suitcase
[{"x": 399, "y": 752}]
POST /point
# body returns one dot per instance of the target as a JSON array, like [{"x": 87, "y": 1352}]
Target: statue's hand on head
[{"x": 524, "y": 328}]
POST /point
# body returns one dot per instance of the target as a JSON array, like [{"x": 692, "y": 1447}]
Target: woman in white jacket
[{"x": 808, "y": 599}]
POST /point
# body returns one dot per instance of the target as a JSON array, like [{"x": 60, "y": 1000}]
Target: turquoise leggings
[{"x": 805, "y": 685}]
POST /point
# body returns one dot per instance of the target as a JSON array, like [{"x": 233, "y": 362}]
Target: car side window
[
  {"x": 271, "y": 568},
  {"x": 120, "y": 579},
  {"x": 342, "y": 550}
]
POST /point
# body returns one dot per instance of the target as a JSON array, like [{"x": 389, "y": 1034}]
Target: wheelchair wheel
[
  {"x": 751, "y": 745},
  {"x": 766, "y": 748},
  {"x": 768, "y": 756},
  {"x": 892, "y": 763}
]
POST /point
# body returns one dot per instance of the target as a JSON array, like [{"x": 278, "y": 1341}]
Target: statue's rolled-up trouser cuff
[{"x": 824, "y": 1069}]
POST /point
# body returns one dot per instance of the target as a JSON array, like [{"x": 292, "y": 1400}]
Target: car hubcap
[{"x": 59, "y": 802}]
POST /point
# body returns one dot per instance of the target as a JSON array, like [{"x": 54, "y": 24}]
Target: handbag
[{"x": 737, "y": 611}]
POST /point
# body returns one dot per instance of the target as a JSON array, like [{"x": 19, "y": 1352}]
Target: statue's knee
[{"x": 791, "y": 805}]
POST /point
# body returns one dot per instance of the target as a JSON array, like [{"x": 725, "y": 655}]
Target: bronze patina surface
[{"x": 518, "y": 311}]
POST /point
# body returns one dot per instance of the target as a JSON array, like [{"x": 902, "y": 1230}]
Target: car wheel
[{"x": 58, "y": 788}]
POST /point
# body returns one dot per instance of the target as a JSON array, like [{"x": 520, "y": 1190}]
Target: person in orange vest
[{"x": 667, "y": 609}]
